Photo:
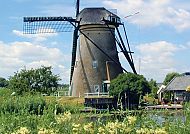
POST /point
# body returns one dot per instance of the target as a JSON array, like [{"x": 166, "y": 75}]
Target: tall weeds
[{"x": 34, "y": 114}]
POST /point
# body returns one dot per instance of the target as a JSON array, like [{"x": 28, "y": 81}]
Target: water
[{"x": 169, "y": 116}]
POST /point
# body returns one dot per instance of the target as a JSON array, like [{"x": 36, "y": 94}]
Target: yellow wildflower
[
  {"x": 66, "y": 117},
  {"x": 151, "y": 131},
  {"x": 142, "y": 131},
  {"x": 76, "y": 125},
  {"x": 109, "y": 126},
  {"x": 22, "y": 130},
  {"x": 160, "y": 131},
  {"x": 101, "y": 130},
  {"x": 112, "y": 127},
  {"x": 131, "y": 119},
  {"x": 127, "y": 130},
  {"x": 46, "y": 131},
  {"x": 115, "y": 128},
  {"x": 76, "y": 128},
  {"x": 89, "y": 128},
  {"x": 123, "y": 127}
]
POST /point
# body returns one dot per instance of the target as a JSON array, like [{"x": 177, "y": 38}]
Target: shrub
[
  {"x": 34, "y": 80},
  {"x": 20, "y": 105},
  {"x": 127, "y": 89}
]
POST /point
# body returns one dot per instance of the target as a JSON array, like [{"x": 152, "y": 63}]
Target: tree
[
  {"x": 3, "y": 82},
  {"x": 129, "y": 81},
  {"x": 154, "y": 88},
  {"x": 34, "y": 80},
  {"x": 130, "y": 87},
  {"x": 169, "y": 77}
]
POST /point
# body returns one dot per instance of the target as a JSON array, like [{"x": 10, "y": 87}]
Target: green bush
[
  {"x": 129, "y": 82},
  {"x": 127, "y": 89},
  {"x": 20, "y": 105},
  {"x": 34, "y": 80},
  {"x": 35, "y": 104},
  {"x": 5, "y": 92}
]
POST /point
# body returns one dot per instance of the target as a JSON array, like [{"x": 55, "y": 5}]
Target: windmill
[{"x": 95, "y": 58}]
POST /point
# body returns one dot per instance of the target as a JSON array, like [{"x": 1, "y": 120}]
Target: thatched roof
[{"x": 179, "y": 83}]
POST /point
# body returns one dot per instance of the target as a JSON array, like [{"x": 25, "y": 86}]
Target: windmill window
[
  {"x": 96, "y": 88},
  {"x": 94, "y": 64},
  {"x": 113, "y": 19},
  {"x": 76, "y": 64}
]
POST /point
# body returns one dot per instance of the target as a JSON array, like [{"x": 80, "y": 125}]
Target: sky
[{"x": 158, "y": 35}]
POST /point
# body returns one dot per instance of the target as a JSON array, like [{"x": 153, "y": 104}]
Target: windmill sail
[
  {"x": 35, "y": 25},
  {"x": 77, "y": 7},
  {"x": 74, "y": 47}
]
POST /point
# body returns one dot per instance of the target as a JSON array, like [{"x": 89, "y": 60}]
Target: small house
[{"x": 177, "y": 87}]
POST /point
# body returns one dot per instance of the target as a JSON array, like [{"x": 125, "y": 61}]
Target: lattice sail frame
[{"x": 37, "y": 25}]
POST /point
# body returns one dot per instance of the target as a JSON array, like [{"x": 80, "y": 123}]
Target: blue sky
[{"x": 159, "y": 35}]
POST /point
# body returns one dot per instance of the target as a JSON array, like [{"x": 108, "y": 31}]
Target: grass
[
  {"x": 71, "y": 100},
  {"x": 47, "y": 115}
]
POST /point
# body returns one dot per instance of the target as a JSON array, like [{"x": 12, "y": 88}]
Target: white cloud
[
  {"x": 157, "y": 59},
  {"x": 35, "y": 37},
  {"x": 17, "y": 55},
  {"x": 180, "y": 19},
  {"x": 153, "y": 12}
]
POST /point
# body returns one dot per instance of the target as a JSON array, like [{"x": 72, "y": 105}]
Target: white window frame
[{"x": 94, "y": 64}]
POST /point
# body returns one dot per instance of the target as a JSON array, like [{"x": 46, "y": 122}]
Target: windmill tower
[{"x": 95, "y": 58}]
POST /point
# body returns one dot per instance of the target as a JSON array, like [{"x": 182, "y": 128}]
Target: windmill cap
[{"x": 95, "y": 16}]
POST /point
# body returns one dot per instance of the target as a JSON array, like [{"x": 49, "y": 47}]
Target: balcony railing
[{"x": 98, "y": 94}]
